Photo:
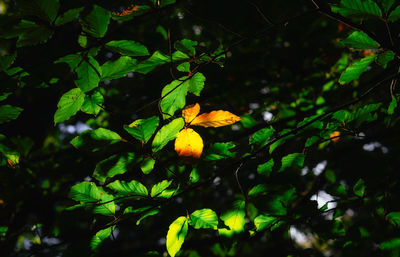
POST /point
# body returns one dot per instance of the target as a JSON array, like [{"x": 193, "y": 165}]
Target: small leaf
[
  {"x": 73, "y": 60},
  {"x": 176, "y": 235},
  {"x": 92, "y": 103},
  {"x": 392, "y": 106},
  {"x": 355, "y": 70},
  {"x": 167, "y": 133},
  {"x": 394, "y": 218},
  {"x": 384, "y": 58},
  {"x": 215, "y": 119},
  {"x": 189, "y": 144},
  {"x": 219, "y": 151},
  {"x": 359, "y": 188},
  {"x": 158, "y": 188},
  {"x": 127, "y": 47},
  {"x": 141, "y": 129},
  {"x": 100, "y": 236},
  {"x": 294, "y": 160},
  {"x": 266, "y": 168},
  {"x": 70, "y": 103},
  {"x": 118, "y": 68},
  {"x": 95, "y": 23},
  {"x": 88, "y": 74},
  {"x": 186, "y": 46},
  {"x": 68, "y": 16},
  {"x": 204, "y": 218},
  {"x": 95, "y": 139},
  {"x": 360, "y": 40},
  {"x": 133, "y": 188},
  {"x": 147, "y": 165},
  {"x": 190, "y": 112},
  {"x": 150, "y": 64},
  {"x": 258, "y": 190},
  {"x": 183, "y": 67},
  {"x": 395, "y": 14},
  {"x": 261, "y": 137},
  {"x": 9, "y": 113},
  {"x": 113, "y": 165},
  {"x": 266, "y": 221}
]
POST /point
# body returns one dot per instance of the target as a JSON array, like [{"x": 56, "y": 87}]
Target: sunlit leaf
[
  {"x": 95, "y": 139},
  {"x": 264, "y": 221},
  {"x": 176, "y": 235},
  {"x": 113, "y": 165},
  {"x": 189, "y": 144},
  {"x": 159, "y": 188},
  {"x": 133, "y": 188},
  {"x": 355, "y": 70},
  {"x": 69, "y": 104},
  {"x": 294, "y": 160},
  {"x": 143, "y": 129},
  {"x": 234, "y": 219},
  {"x": 95, "y": 23},
  {"x": 93, "y": 103},
  {"x": 100, "y": 236},
  {"x": 360, "y": 40},
  {"x": 358, "y": 8},
  {"x": 153, "y": 62},
  {"x": 261, "y": 137},
  {"x": 190, "y": 112},
  {"x": 167, "y": 133},
  {"x": 204, "y": 218},
  {"x": 265, "y": 168},
  {"x": 186, "y": 46},
  {"x": 88, "y": 74},
  {"x": 219, "y": 151},
  {"x": 127, "y": 47},
  {"x": 118, "y": 68},
  {"x": 215, "y": 119},
  {"x": 147, "y": 165}
]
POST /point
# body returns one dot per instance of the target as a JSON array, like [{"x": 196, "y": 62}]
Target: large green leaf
[
  {"x": 95, "y": 139},
  {"x": 143, "y": 129},
  {"x": 151, "y": 63},
  {"x": 114, "y": 165},
  {"x": 88, "y": 74},
  {"x": 204, "y": 218},
  {"x": 127, "y": 47},
  {"x": 70, "y": 103},
  {"x": 234, "y": 219},
  {"x": 355, "y": 70},
  {"x": 158, "y": 188},
  {"x": 118, "y": 68},
  {"x": 219, "y": 151},
  {"x": 360, "y": 40},
  {"x": 93, "y": 103},
  {"x": 167, "y": 133},
  {"x": 90, "y": 194},
  {"x": 395, "y": 14},
  {"x": 358, "y": 8},
  {"x": 8, "y": 113},
  {"x": 133, "y": 188},
  {"x": 196, "y": 83},
  {"x": 95, "y": 23},
  {"x": 68, "y": 16},
  {"x": 176, "y": 235},
  {"x": 294, "y": 160},
  {"x": 173, "y": 97},
  {"x": 44, "y": 9},
  {"x": 100, "y": 236}
]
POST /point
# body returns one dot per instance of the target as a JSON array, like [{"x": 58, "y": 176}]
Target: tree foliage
[{"x": 104, "y": 150}]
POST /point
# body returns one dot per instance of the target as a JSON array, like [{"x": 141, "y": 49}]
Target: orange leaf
[
  {"x": 190, "y": 112},
  {"x": 335, "y": 136},
  {"x": 215, "y": 119},
  {"x": 189, "y": 143}
]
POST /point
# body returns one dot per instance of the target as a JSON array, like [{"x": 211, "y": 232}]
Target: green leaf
[
  {"x": 94, "y": 140},
  {"x": 113, "y": 165},
  {"x": 384, "y": 58},
  {"x": 196, "y": 83},
  {"x": 100, "y": 236},
  {"x": 173, "y": 97},
  {"x": 234, "y": 219},
  {"x": 68, "y": 16},
  {"x": 311, "y": 140},
  {"x": 70, "y": 103},
  {"x": 266, "y": 221},
  {"x": 294, "y": 160},
  {"x": 30, "y": 33},
  {"x": 127, "y": 47},
  {"x": 176, "y": 235},
  {"x": 4, "y": 96},
  {"x": 266, "y": 168},
  {"x": 248, "y": 121},
  {"x": 151, "y": 63},
  {"x": 95, "y": 23},
  {"x": 73, "y": 60},
  {"x": 392, "y": 106},
  {"x": 147, "y": 214},
  {"x": 89, "y": 193},
  {"x": 147, "y": 165},
  {"x": 386, "y": 4},
  {"x": 395, "y": 14},
  {"x": 167, "y": 133},
  {"x": 391, "y": 244},
  {"x": 219, "y": 151},
  {"x": 142, "y": 130},
  {"x": 359, "y": 188},
  {"x": 358, "y": 9},
  {"x": 183, "y": 67},
  {"x": 259, "y": 189},
  {"x": 118, "y": 68},
  {"x": 204, "y": 218},
  {"x": 394, "y": 218},
  {"x": 44, "y": 9},
  {"x": 186, "y": 46},
  {"x": 261, "y": 137},
  {"x": 355, "y": 70},
  {"x": 88, "y": 74},
  {"x": 360, "y": 40},
  {"x": 8, "y": 113},
  {"x": 7, "y": 60},
  {"x": 92, "y": 103},
  {"x": 133, "y": 188},
  {"x": 158, "y": 188}
]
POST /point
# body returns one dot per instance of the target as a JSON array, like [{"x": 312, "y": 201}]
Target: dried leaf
[
  {"x": 215, "y": 119},
  {"x": 189, "y": 143},
  {"x": 190, "y": 112}
]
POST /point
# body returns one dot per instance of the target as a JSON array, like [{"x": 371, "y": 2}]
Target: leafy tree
[{"x": 199, "y": 128}]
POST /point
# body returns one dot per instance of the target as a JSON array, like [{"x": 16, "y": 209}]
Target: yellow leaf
[
  {"x": 189, "y": 144},
  {"x": 335, "y": 136},
  {"x": 215, "y": 119},
  {"x": 190, "y": 112}
]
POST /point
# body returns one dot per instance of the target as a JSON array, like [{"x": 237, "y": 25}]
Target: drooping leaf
[
  {"x": 147, "y": 165},
  {"x": 167, "y": 133},
  {"x": 190, "y": 112},
  {"x": 266, "y": 168},
  {"x": 100, "y": 236},
  {"x": 151, "y": 63},
  {"x": 360, "y": 40},
  {"x": 88, "y": 74},
  {"x": 266, "y": 221},
  {"x": 294, "y": 160},
  {"x": 113, "y": 165},
  {"x": 95, "y": 23},
  {"x": 359, "y": 188},
  {"x": 204, "y": 218},
  {"x": 219, "y": 151},
  {"x": 70, "y": 103},
  {"x": 176, "y": 235},
  {"x": 141, "y": 129},
  {"x": 68, "y": 16},
  {"x": 9, "y": 113},
  {"x": 158, "y": 188},
  {"x": 215, "y": 119},
  {"x": 395, "y": 14},
  {"x": 358, "y": 8},
  {"x": 4, "y": 96},
  {"x": 44, "y": 9},
  {"x": 118, "y": 68},
  {"x": 94, "y": 196},
  {"x": 189, "y": 144},
  {"x": 261, "y": 137},
  {"x": 93, "y": 103},
  {"x": 127, "y": 47},
  {"x": 186, "y": 46},
  {"x": 384, "y": 58},
  {"x": 355, "y": 70},
  {"x": 133, "y": 188}
]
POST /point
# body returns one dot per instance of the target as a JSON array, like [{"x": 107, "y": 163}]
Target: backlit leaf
[
  {"x": 234, "y": 219},
  {"x": 266, "y": 221},
  {"x": 127, "y": 47},
  {"x": 190, "y": 112},
  {"x": 151, "y": 63},
  {"x": 358, "y": 8},
  {"x": 204, "y": 218},
  {"x": 261, "y": 137},
  {"x": 158, "y": 188},
  {"x": 173, "y": 97},
  {"x": 176, "y": 235},
  {"x": 189, "y": 144},
  {"x": 294, "y": 160},
  {"x": 70, "y": 103},
  {"x": 147, "y": 165},
  {"x": 92, "y": 103},
  {"x": 196, "y": 83},
  {"x": 133, "y": 188},
  {"x": 186, "y": 46},
  {"x": 215, "y": 119},
  {"x": 395, "y": 14},
  {"x": 266, "y": 168},
  {"x": 95, "y": 139},
  {"x": 167, "y": 133},
  {"x": 95, "y": 23},
  {"x": 360, "y": 40},
  {"x": 100, "y": 236},
  {"x": 219, "y": 151},
  {"x": 355, "y": 70},
  {"x": 113, "y": 165},
  {"x": 143, "y": 129},
  {"x": 118, "y": 68},
  {"x": 88, "y": 74}
]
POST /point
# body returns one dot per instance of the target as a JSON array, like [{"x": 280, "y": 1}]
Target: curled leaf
[
  {"x": 215, "y": 119},
  {"x": 190, "y": 112},
  {"x": 189, "y": 143}
]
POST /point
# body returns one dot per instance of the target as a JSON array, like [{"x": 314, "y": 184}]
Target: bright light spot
[
  {"x": 253, "y": 106},
  {"x": 130, "y": 75},
  {"x": 235, "y": 127},
  {"x": 267, "y": 116},
  {"x": 300, "y": 237},
  {"x": 252, "y": 176},
  {"x": 51, "y": 241},
  {"x": 161, "y": 241},
  {"x": 265, "y": 90},
  {"x": 109, "y": 55},
  {"x": 322, "y": 198},
  {"x": 216, "y": 181},
  {"x": 80, "y": 127},
  {"x": 304, "y": 171},
  {"x": 320, "y": 168},
  {"x": 115, "y": 233},
  {"x": 196, "y": 30},
  {"x": 180, "y": 15},
  {"x": 373, "y": 145}
]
